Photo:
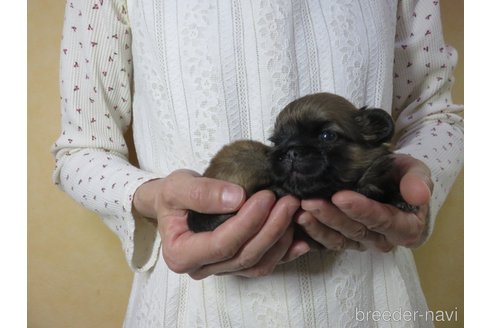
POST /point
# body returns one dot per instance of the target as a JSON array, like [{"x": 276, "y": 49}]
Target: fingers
[
  {"x": 398, "y": 227},
  {"x": 334, "y": 229},
  {"x": 296, "y": 249},
  {"x": 262, "y": 252},
  {"x": 185, "y": 251},
  {"x": 184, "y": 189},
  {"x": 271, "y": 258},
  {"x": 262, "y": 266},
  {"x": 275, "y": 227},
  {"x": 324, "y": 234}
]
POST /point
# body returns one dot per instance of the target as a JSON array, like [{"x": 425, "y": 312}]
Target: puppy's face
[{"x": 322, "y": 144}]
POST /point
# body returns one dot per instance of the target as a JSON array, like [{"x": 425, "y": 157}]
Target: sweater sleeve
[
  {"x": 428, "y": 124},
  {"x": 91, "y": 153}
]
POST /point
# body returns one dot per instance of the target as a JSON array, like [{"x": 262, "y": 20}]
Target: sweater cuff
[
  {"x": 142, "y": 243},
  {"x": 105, "y": 183}
]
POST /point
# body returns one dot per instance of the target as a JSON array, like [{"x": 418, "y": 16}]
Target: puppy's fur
[{"x": 321, "y": 144}]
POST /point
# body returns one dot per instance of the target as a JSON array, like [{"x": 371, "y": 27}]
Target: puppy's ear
[{"x": 376, "y": 125}]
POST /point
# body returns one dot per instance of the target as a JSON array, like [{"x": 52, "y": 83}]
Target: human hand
[
  {"x": 356, "y": 222},
  {"x": 251, "y": 243}
]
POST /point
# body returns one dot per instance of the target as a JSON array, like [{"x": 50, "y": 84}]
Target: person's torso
[{"x": 209, "y": 72}]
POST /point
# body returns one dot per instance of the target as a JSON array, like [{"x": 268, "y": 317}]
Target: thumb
[
  {"x": 187, "y": 190},
  {"x": 415, "y": 180}
]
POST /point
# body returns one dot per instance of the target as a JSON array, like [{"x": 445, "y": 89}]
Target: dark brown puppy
[{"x": 321, "y": 144}]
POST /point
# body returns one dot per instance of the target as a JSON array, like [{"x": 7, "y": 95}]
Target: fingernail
[
  {"x": 232, "y": 197},
  {"x": 292, "y": 209},
  {"x": 265, "y": 202},
  {"x": 342, "y": 204},
  {"x": 346, "y": 204},
  {"x": 302, "y": 219},
  {"x": 303, "y": 249},
  {"x": 427, "y": 181}
]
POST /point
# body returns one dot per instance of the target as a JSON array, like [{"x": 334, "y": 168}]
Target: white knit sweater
[{"x": 194, "y": 75}]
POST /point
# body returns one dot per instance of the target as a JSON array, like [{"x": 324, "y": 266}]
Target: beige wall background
[{"x": 77, "y": 275}]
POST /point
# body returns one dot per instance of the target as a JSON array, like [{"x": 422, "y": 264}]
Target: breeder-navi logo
[{"x": 406, "y": 315}]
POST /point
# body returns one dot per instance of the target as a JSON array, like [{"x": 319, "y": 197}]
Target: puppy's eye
[{"x": 328, "y": 135}]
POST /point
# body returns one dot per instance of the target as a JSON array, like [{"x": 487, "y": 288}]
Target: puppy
[{"x": 321, "y": 144}]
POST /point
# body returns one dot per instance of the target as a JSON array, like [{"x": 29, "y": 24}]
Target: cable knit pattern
[{"x": 194, "y": 75}]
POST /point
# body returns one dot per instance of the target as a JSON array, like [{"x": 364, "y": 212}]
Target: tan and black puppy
[{"x": 321, "y": 144}]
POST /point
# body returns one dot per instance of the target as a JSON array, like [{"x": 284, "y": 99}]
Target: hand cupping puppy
[{"x": 251, "y": 244}]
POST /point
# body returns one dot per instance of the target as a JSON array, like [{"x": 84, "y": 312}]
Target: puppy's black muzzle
[{"x": 300, "y": 159}]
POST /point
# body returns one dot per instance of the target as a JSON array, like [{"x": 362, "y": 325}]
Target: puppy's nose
[{"x": 293, "y": 154}]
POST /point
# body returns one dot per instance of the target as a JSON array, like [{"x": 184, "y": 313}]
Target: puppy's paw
[
  {"x": 405, "y": 207},
  {"x": 198, "y": 222}
]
